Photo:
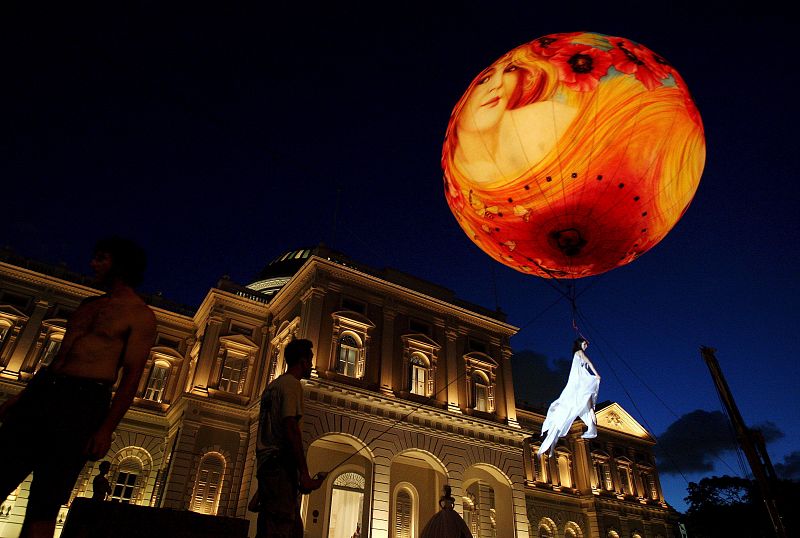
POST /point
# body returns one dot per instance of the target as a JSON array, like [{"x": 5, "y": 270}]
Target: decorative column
[
  {"x": 387, "y": 349},
  {"x": 527, "y": 461},
  {"x": 381, "y": 495},
  {"x": 26, "y": 339},
  {"x": 179, "y": 484},
  {"x": 511, "y": 402},
  {"x": 583, "y": 466},
  {"x": 311, "y": 319},
  {"x": 452, "y": 370},
  {"x": 208, "y": 354}
]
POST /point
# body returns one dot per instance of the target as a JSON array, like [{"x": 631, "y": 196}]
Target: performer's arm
[{"x": 585, "y": 359}]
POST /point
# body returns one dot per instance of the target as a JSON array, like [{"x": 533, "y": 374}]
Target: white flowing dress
[{"x": 576, "y": 401}]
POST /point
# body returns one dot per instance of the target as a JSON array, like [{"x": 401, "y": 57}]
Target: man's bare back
[{"x": 101, "y": 333}]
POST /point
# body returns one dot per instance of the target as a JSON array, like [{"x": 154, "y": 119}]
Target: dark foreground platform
[{"x": 98, "y": 519}]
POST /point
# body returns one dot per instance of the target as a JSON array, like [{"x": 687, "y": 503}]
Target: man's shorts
[
  {"x": 46, "y": 433},
  {"x": 279, "y": 500}
]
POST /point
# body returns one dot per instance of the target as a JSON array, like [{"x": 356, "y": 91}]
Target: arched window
[
  {"x": 347, "y": 505},
  {"x": 419, "y": 374},
  {"x": 403, "y": 514},
  {"x": 127, "y": 481},
  {"x": 572, "y": 530},
  {"x": 348, "y": 356},
  {"x": 208, "y": 484},
  {"x": 564, "y": 471},
  {"x": 480, "y": 391},
  {"x": 157, "y": 381},
  {"x": 547, "y": 528},
  {"x": 470, "y": 513}
]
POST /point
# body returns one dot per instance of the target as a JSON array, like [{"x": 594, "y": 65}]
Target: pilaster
[
  {"x": 26, "y": 338},
  {"x": 208, "y": 354}
]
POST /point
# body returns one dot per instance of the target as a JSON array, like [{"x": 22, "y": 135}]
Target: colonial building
[{"x": 411, "y": 390}]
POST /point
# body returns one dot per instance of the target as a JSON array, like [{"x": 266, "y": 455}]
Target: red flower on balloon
[
  {"x": 580, "y": 67},
  {"x": 550, "y": 44},
  {"x": 633, "y": 59}
]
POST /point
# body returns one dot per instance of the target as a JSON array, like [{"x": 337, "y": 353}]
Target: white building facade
[{"x": 411, "y": 390}]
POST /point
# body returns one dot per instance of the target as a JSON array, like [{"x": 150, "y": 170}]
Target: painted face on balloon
[{"x": 488, "y": 99}]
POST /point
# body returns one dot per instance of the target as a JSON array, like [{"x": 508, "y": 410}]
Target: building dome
[{"x": 282, "y": 268}]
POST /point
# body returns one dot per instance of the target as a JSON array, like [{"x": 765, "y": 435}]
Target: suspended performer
[{"x": 577, "y": 400}]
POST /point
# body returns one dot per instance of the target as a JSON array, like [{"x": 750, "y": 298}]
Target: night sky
[{"x": 220, "y": 137}]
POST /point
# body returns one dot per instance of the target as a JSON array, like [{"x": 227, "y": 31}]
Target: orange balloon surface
[{"x": 573, "y": 154}]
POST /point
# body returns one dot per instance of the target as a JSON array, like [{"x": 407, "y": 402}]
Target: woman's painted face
[
  {"x": 584, "y": 345},
  {"x": 488, "y": 99}
]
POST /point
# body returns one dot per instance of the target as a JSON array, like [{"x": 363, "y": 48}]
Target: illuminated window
[
  {"x": 234, "y": 373},
  {"x": 650, "y": 483},
  {"x": 208, "y": 484},
  {"x": 157, "y": 382},
  {"x": 127, "y": 481},
  {"x": 4, "y": 329},
  {"x": 419, "y": 371},
  {"x": 609, "y": 484},
  {"x": 403, "y": 514},
  {"x": 470, "y": 513},
  {"x": 349, "y": 351},
  {"x": 347, "y": 505},
  {"x": 625, "y": 480},
  {"x": 480, "y": 391},
  {"x": 50, "y": 348}
]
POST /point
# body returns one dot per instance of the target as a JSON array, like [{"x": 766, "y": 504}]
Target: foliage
[{"x": 723, "y": 506}]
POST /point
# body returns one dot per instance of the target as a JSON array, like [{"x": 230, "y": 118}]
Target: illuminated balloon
[{"x": 573, "y": 154}]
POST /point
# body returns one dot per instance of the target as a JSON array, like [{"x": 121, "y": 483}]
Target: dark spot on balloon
[
  {"x": 644, "y": 214},
  {"x": 581, "y": 63},
  {"x": 548, "y": 178},
  {"x": 574, "y": 175},
  {"x": 599, "y": 178},
  {"x": 621, "y": 185},
  {"x": 644, "y": 230},
  {"x": 497, "y": 229},
  {"x": 510, "y": 200},
  {"x": 527, "y": 187},
  {"x": 635, "y": 198},
  {"x": 569, "y": 241}
]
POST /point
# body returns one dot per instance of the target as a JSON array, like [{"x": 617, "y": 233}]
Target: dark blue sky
[{"x": 221, "y": 136}]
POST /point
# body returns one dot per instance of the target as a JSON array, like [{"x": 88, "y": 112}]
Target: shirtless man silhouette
[{"x": 66, "y": 415}]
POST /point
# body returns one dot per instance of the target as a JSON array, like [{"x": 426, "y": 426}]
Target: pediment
[
  {"x": 11, "y": 311},
  {"x": 56, "y": 322},
  {"x": 614, "y": 417},
  {"x": 237, "y": 341},
  {"x": 353, "y": 317},
  {"x": 163, "y": 352},
  {"x": 421, "y": 339},
  {"x": 478, "y": 357}
]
